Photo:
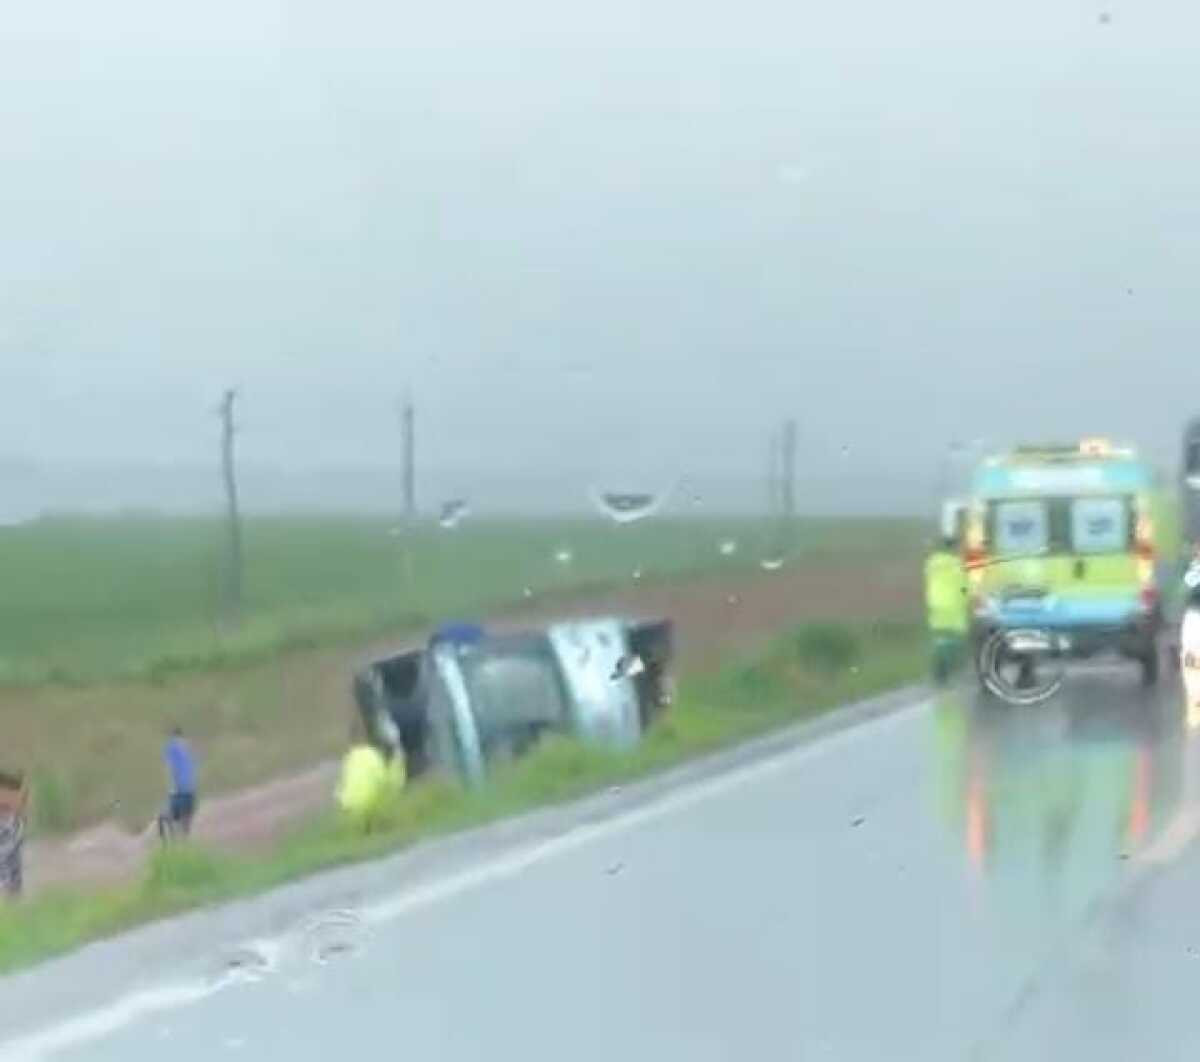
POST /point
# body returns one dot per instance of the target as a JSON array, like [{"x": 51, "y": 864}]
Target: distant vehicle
[
  {"x": 1074, "y": 527},
  {"x": 458, "y": 705},
  {"x": 1189, "y": 483}
]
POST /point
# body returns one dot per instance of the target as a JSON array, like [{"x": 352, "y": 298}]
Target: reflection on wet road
[{"x": 956, "y": 880}]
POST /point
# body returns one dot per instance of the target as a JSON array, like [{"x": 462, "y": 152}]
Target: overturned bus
[{"x": 460, "y": 704}]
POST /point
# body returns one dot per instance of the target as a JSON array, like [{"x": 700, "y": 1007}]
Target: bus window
[
  {"x": 1099, "y": 525},
  {"x": 1020, "y": 527}
]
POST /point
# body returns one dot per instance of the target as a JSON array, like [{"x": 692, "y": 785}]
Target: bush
[{"x": 826, "y": 647}]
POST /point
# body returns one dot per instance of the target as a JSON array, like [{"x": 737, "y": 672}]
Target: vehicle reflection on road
[{"x": 1049, "y": 802}]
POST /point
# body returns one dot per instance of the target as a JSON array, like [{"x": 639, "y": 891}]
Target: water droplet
[
  {"x": 728, "y": 548},
  {"x": 527, "y": 592},
  {"x": 235, "y": 1043},
  {"x": 697, "y": 500},
  {"x": 1105, "y": 18},
  {"x": 564, "y": 556},
  {"x": 245, "y": 965},
  {"x": 454, "y": 512},
  {"x": 732, "y": 599},
  {"x": 771, "y": 564},
  {"x": 614, "y": 869},
  {"x": 625, "y": 507},
  {"x": 845, "y": 451},
  {"x": 637, "y": 573},
  {"x": 334, "y": 935},
  {"x": 858, "y": 820}
]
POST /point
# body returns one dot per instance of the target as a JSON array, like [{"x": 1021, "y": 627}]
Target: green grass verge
[
  {"x": 87, "y": 600},
  {"x": 803, "y": 673}
]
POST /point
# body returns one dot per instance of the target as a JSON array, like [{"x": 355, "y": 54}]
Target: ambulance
[{"x": 1061, "y": 538}]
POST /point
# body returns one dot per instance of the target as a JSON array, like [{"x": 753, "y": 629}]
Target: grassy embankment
[{"x": 804, "y": 672}]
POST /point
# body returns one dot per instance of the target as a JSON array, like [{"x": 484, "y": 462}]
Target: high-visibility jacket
[
  {"x": 946, "y": 593},
  {"x": 367, "y": 781}
]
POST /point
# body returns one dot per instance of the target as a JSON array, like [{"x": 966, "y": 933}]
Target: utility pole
[
  {"x": 773, "y": 453},
  {"x": 408, "y": 426},
  {"x": 787, "y": 459},
  {"x": 233, "y": 563}
]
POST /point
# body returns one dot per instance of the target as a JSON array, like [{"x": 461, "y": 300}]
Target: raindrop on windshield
[
  {"x": 1105, "y": 18},
  {"x": 771, "y": 564},
  {"x": 637, "y": 573},
  {"x": 527, "y": 592},
  {"x": 728, "y": 548},
  {"x": 245, "y": 966},
  {"x": 564, "y": 556},
  {"x": 845, "y": 451},
  {"x": 625, "y": 507},
  {"x": 454, "y": 512},
  {"x": 334, "y": 935}
]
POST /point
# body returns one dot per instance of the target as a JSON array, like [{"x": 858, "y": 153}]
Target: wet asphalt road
[{"x": 951, "y": 881}]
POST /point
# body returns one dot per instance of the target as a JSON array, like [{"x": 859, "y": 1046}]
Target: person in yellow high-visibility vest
[
  {"x": 368, "y": 782},
  {"x": 946, "y": 607}
]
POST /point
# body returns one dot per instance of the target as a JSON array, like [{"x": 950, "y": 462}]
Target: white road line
[{"x": 103, "y": 1021}]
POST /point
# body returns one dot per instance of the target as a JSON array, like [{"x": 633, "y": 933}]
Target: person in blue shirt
[{"x": 181, "y": 803}]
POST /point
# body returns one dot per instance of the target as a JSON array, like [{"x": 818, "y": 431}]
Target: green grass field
[{"x": 85, "y": 599}]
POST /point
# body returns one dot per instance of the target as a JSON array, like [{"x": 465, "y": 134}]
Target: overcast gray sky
[{"x": 596, "y": 238}]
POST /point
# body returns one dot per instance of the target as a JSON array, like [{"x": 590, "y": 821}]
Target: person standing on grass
[
  {"x": 14, "y": 803},
  {"x": 181, "y": 802}
]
